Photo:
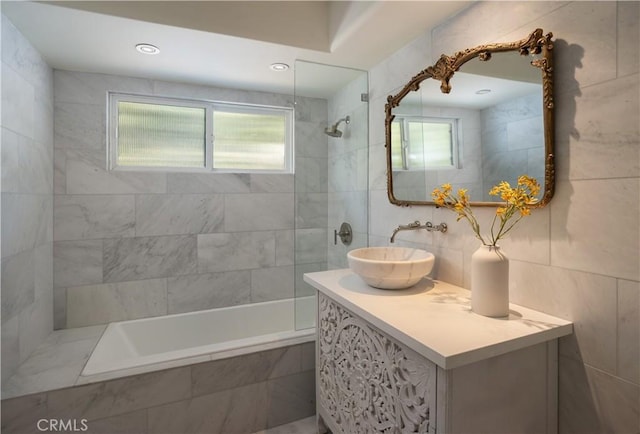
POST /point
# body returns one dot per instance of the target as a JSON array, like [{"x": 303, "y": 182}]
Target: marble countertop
[{"x": 435, "y": 319}]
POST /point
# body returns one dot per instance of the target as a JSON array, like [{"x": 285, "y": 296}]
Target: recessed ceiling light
[
  {"x": 483, "y": 91},
  {"x": 147, "y": 49},
  {"x": 279, "y": 66}
]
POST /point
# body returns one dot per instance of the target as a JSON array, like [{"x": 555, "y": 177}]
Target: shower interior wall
[
  {"x": 109, "y": 246},
  {"x": 27, "y": 198},
  {"x": 136, "y": 244}
]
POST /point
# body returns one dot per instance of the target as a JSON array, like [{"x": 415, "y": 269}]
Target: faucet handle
[{"x": 442, "y": 227}]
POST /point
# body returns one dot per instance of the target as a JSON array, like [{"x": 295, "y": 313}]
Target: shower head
[{"x": 333, "y": 130}]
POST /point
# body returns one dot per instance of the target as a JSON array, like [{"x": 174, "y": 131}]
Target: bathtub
[{"x": 149, "y": 344}]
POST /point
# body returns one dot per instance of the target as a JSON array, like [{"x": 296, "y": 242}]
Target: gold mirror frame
[{"x": 536, "y": 43}]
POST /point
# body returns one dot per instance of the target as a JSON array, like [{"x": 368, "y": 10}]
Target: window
[
  {"x": 151, "y": 133},
  {"x": 419, "y": 143}
]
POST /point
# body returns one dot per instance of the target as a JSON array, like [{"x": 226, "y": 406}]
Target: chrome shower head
[{"x": 333, "y": 131}]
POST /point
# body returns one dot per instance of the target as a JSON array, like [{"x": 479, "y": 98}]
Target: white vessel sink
[{"x": 390, "y": 267}]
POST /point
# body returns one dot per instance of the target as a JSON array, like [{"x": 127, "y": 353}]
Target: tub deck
[{"x": 55, "y": 364}]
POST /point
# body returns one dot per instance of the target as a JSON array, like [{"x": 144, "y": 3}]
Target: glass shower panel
[{"x": 331, "y": 171}]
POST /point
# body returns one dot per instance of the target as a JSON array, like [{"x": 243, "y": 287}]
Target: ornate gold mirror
[{"x": 492, "y": 121}]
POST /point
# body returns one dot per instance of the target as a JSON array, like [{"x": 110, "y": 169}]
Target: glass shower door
[{"x": 331, "y": 172}]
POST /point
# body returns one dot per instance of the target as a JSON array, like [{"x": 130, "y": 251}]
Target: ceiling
[{"x": 222, "y": 43}]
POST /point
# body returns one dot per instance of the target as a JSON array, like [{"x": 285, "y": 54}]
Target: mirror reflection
[{"x": 489, "y": 128}]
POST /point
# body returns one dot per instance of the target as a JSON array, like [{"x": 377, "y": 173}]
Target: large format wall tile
[
  {"x": 27, "y": 199},
  {"x": 208, "y": 183},
  {"x": 86, "y": 178},
  {"x": 272, "y": 183},
  {"x": 10, "y": 346},
  {"x": 311, "y": 246},
  {"x": 77, "y": 263},
  {"x": 18, "y": 283},
  {"x": 593, "y": 402},
  {"x": 208, "y": 291},
  {"x": 18, "y": 414},
  {"x": 291, "y": 398},
  {"x": 179, "y": 214},
  {"x": 272, "y": 283},
  {"x": 239, "y": 410},
  {"x": 579, "y": 212},
  {"x": 26, "y": 222},
  {"x": 80, "y": 125},
  {"x": 82, "y": 88},
  {"x": 25, "y": 59},
  {"x": 598, "y": 138},
  {"x": 629, "y": 330},
  {"x": 255, "y": 212},
  {"x": 628, "y": 35},
  {"x": 311, "y": 210},
  {"x": 18, "y": 94},
  {"x": 236, "y": 251},
  {"x": 26, "y": 165},
  {"x": 105, "y": 303},
  {"x": 91, "y": 217},
  {"x": 149, "y": 257},
  {"x": 134, "y": 422},
  {"x": 121, "y": 396},
  {"x": 218, "y": 375},
  {"x": 589, "y": 300}
]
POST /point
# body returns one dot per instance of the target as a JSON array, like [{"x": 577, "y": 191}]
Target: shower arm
[{"x": 346, "y": 120}]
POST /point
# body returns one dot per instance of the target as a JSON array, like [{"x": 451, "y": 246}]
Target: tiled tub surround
[
  {"x": 131, "y": 245},
  {"x": 240, "y": 394},
  {"x": 27, "y": 198}
]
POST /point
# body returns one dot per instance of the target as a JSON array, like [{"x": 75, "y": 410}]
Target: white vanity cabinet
[{"x": 419, "y": 361}]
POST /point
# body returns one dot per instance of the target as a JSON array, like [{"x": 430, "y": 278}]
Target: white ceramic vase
[{"x": 490, "y": 282}]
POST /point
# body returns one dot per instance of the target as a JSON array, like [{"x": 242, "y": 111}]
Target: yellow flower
[{"x": 516, "y": 199}]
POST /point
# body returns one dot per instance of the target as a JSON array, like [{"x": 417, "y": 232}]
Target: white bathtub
[{"x": 143, "y": 345}]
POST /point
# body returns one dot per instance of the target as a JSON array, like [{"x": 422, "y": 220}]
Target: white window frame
[
  {"x": 262, "y": 109},
  {"x": 405, "y": 141},
  {"x": 113, "y": 98}
]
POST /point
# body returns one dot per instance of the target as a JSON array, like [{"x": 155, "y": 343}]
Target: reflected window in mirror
[{"x": 421, "y": 143}]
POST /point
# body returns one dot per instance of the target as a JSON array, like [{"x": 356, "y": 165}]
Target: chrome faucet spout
[
  {"x": 430, "y": 227},
  {"x": 410, "y": 226},
  {"x": 393, "y": 235}
]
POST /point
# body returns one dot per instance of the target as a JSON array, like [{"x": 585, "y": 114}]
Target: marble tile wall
[
  {"x": 27, "y": 198},
  {"x": 578, "y": 257},
  {"x": 512, "y": 142},
  {"x": 135, "y": 244},
  {"x": 241, "y": 394}
]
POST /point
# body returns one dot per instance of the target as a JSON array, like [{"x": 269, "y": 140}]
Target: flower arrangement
[{"x": 517, "y": 200}]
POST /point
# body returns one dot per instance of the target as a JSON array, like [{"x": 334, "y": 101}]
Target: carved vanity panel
[{"x": 367, "y": 381}]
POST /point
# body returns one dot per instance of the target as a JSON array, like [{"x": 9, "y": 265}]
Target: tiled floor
[{"x": 302, "y": 426}]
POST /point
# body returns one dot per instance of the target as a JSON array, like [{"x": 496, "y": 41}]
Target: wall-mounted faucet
[{"x": 442, "y": 227}]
